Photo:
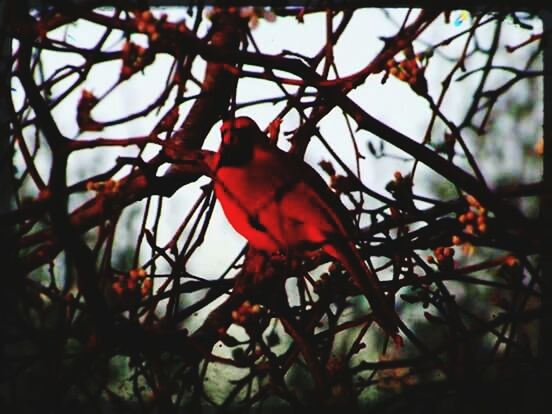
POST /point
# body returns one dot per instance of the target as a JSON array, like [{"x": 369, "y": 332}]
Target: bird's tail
[{"x": 369, "y": 285}]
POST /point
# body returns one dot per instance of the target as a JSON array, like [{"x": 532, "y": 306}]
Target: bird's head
[
  {"x": 239, "y": 137},
  {"x": 241, "y": 131}
]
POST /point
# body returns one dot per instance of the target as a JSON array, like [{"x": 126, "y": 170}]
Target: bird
[{"x": 279, "y": 203}]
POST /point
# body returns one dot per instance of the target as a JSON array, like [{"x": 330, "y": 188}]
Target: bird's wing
[
  {"x": 313, "y": 199},
  {"x": 315, "y": 188}
]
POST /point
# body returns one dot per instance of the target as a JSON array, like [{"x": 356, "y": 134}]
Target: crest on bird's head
[{"x": 242, "y": 128}]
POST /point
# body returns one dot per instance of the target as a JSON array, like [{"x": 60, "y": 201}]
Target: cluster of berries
[
  {"x": 411, "y": 69},
  {"x": 474, "y": 222},
  {"x": 135, "y": 58},
  {"x": 86, "y": 103},
  {"x": 136, "y": 280},
  {"x": 245, "y": 312},
  {"x": 107, "y": 187}
]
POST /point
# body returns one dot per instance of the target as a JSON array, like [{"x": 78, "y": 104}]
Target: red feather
[{"x": 280, "y": 203}]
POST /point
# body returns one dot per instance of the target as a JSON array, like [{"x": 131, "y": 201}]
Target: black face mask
[{"x": 236, "y": 154}]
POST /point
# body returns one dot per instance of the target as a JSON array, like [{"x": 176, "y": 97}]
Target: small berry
[
  {"x": 448, "y": 252},
  {"x": 472, "y": 201},
  {"x": 147, "y": 15},
  {"x": 118, "y": 288},
  {"x": 511, "y": 261},
  {"x": 147, "y": 283}
]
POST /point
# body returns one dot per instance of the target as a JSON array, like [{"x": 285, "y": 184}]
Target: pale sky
[{"x": 393, "y": 103}]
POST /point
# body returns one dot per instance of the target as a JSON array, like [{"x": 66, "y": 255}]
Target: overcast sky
[{"x": 393, "y": 103}]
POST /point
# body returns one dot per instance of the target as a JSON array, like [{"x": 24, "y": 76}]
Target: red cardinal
[{"x": 280, "y": 203}]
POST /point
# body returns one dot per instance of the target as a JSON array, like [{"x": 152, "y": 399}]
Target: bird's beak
[
  {"x": 227, "y": 134},
  {"x": 227, "y": 137}
]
